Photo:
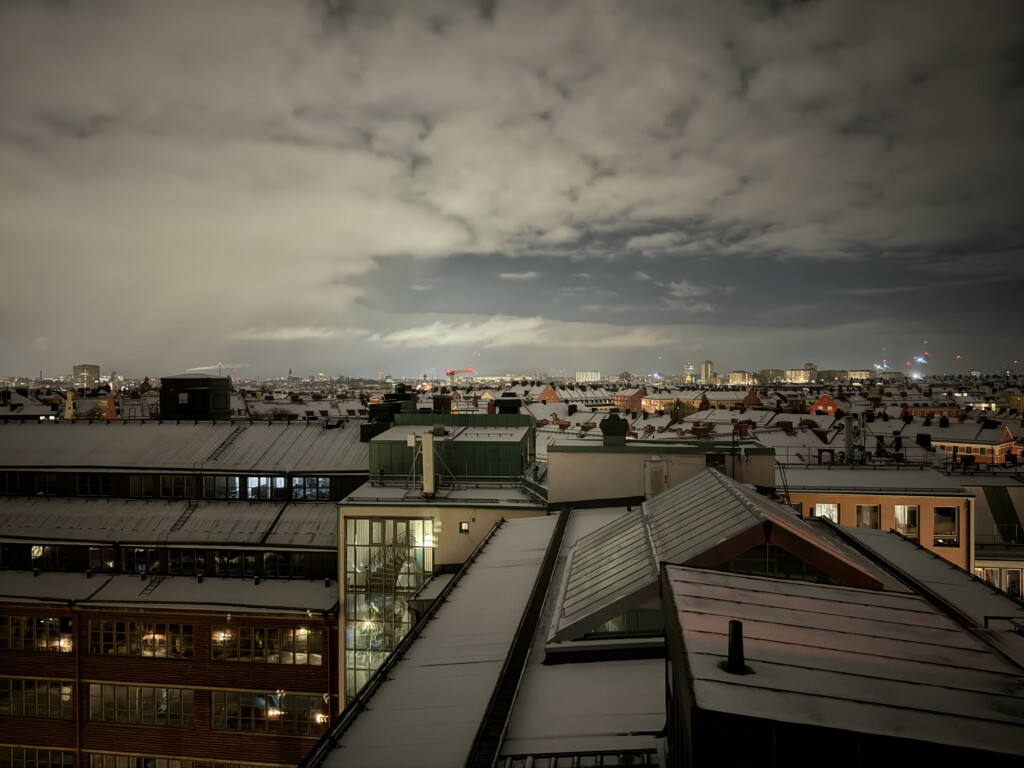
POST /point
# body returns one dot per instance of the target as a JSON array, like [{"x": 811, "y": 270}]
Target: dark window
[
  {"x": 946, "y": 529},
  {"x": 140, "y": 705},
  {"x": 176, "y": 486},
  {"x": 29, "y": 757},
  {"x": 867, "y": 516},
  {"x": 93, "y": 484},
  {"x": 105, "y": 760},
  {"x": 102, "y": 559},
  {"x": 36, "y": 698},
  {"x": 186, "y": 562},
  {"x": 233, "y": 562},
  {"x": 284, "y": 565},
  {"x": 141, "y": 486}
]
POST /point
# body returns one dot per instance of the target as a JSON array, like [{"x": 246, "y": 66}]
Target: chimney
[
  {"x": 736, "y": 663},
  {"x": 614, "y": 429},
  {"x": 428, "y": 464}
]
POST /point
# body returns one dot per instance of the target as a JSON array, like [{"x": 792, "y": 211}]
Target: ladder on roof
[
  {"x": 154, "y": 582},
  {"x": 227, "y": 441},
  {"x": 785, "y": 485},
  {"x": 183, "y": 518}
]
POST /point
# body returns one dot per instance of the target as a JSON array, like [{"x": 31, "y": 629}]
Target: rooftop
[{"x": 851, "y": 659}]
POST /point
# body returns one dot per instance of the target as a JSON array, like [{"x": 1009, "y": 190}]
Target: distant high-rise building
[
  {"x": 586, "y": 376},
  {"x": 707, "y": 371},
  {"x": 85, "y": 375}
]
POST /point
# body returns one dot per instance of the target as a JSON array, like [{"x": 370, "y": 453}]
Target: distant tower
[{"x": 707, "y": 371}]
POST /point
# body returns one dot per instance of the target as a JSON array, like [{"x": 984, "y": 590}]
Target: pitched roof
[{"x": 705, "y": 521}]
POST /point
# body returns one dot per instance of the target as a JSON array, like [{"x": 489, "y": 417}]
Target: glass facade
[
  {"x": 29, "y": 633},
  {"x": 386, "y": 561},
  {"x": 268, "y": 646}
]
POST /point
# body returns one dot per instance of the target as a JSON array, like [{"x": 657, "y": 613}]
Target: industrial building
[{"x": 168, "y": 591}]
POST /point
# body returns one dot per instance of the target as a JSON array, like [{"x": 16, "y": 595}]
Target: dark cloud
[{"x": 314, "y": 184}]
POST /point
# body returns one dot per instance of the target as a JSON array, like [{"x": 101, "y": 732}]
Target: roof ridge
[{"x": 736, "y": 492}]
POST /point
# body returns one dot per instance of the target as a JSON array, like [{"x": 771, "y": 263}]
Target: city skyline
[{"x": 356, "y": 187}]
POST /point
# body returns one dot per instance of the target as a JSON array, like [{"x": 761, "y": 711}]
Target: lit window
[
  {"x": 830, "y": 511},
  {"x": 906, "y": 520}
]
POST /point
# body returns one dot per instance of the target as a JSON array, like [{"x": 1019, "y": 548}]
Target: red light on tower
[{"x": 470, "y": 369}]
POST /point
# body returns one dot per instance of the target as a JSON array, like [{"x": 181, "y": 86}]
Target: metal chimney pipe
[{"x": 736, "y": 664}]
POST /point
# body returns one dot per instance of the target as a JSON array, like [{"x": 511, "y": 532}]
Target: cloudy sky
[{"x": 550, "y": 186}]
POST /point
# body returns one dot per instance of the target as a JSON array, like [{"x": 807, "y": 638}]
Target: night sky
[{"x": 346, "y": 187}]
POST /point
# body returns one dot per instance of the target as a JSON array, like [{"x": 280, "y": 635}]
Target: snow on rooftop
[
  {"x": 868, "y": 479},
  {"x": 264, "y": 447},
  {"x": 427, "y": 713},
  {"x": 873, "y": 662},
  {"x": 163, "y": 522}
]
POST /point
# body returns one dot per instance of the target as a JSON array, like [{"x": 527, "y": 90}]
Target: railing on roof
[{"x": 330, "y": 740}]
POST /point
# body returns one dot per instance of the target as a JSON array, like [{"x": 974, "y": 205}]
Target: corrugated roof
[
  {"x": 140, "y": 522},
  {"x": 882, "y": 663},
  {"x": 263, "y": 447},
  {"x": 616, "y": 567}
]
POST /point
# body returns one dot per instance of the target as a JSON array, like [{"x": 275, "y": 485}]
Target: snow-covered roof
[
  {"x": 882, "y": 663},
  {"x": 428, "y": 712},
  {"x": 706, "y": 520},
  {"x": 158, "y": 522},
  {"x": 206, "y": 446}
]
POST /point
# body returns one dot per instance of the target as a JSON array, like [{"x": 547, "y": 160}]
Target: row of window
[
  {"x": 163, "y": 640},
  {"x": 176, "y": 562},
  {"x": 141, "y": 705},
  {"x": 945, "y": 523},
  {"x": 31, "y": 633},
  {"x": 106, "y": 760},
  {"x": 277, "y": 712},
  {"x": 141, "y": 638},
  {"x": 36, "y": 698},
  {"x": 29, "y": 757},
  {"x": 175, "y": 486},
  {"x": 268, "y": 646}
]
